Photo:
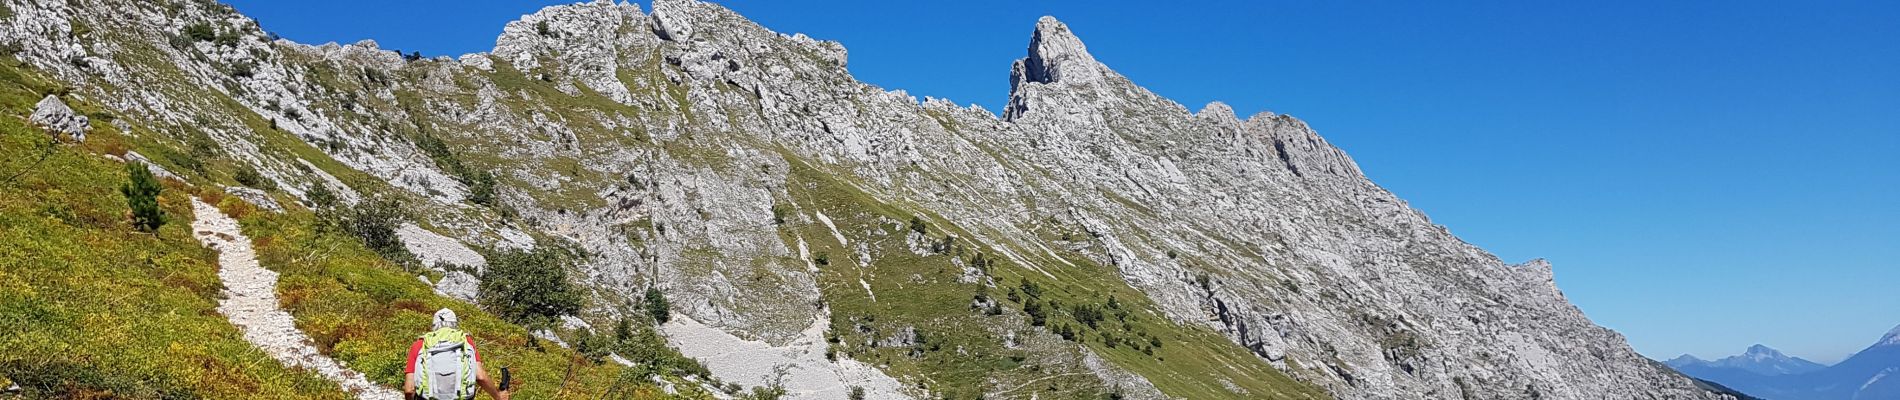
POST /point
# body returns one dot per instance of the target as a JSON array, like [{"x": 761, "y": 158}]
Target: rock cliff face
[{"x": 749, "y": 176}]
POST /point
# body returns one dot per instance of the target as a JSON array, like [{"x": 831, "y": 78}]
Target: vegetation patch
[
  {"x": 93, "y": 307},
  {"x": 957, "y": 283}
]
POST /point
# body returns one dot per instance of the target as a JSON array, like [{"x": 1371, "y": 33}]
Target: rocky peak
[
  {"x": 1761, "y": 352},
  {"x": 1056, "y": 55},
  {"x": 1220, "y": 112}
]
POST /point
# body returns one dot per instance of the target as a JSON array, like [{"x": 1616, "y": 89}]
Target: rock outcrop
[{"x": 52, "y": 113}]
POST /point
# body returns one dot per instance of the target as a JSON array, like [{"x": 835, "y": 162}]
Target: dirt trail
[{"x": 250, "y": 302}]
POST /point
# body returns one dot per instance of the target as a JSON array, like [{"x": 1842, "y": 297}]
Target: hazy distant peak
[{"x": 1891, "y": 338}]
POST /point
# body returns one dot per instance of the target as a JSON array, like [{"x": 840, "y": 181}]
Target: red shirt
[{"x": 416, "y": 349}]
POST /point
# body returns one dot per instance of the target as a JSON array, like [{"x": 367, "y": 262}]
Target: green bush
[
  {"x": 779, "y": 211},
  {"x": 917, "y": 225},
  {"x": 481, "y": 188},
  {"x": 320, "y": 196},
  {"x": 243, "y": 69},
  {"x": 200, "y": 32},
  {"x": 247, "y": 175},
  {"x": 529, "y": 287},
  {"x": 375, "y": 223},
  {"x": 141, "y": 194},
  {"x": 593, "y": 346},
  {"x": 658, "y": 307}
]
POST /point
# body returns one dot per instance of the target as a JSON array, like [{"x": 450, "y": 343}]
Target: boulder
[
  {"x": 458, "y": 285},
  {"x": 53, "y": 114}
]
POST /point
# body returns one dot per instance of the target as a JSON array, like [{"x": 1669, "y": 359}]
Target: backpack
[{"x": 445, "y": 369}]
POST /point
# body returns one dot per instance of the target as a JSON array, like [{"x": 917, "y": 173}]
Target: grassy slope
[
  {"x": 90, "y": 307},
  {"x": 925, "y": 292},
  {"x": 365, "y": 311},
  {"x": 78, "y": 323}
]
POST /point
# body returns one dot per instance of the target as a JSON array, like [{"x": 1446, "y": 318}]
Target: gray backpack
[{"x": 445, "y": 370}]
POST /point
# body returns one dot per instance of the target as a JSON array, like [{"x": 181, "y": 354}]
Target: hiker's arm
[
  {"x": 488, "y": 384},
  {"x": 409, "y": 371}
]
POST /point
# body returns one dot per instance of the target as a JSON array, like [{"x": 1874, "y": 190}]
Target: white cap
[{"x": 444, "y": 318}]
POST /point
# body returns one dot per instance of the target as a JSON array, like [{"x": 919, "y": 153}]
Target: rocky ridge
[{"x": 665, "y": 143}]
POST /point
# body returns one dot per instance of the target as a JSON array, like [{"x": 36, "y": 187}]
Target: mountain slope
[{"x": 1097, "y": 239}]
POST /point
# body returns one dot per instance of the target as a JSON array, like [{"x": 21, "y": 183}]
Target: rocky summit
[{"x": 828, "y": 236}]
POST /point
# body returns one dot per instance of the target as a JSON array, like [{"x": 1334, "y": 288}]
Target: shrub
[
  {"x": 917, "y": 225},
  {"x": 658, "y": 307},
  {"x": 528, "y": 287},
  {"x": 141, "y": 194},
  {"x": 248, "y": 176},
  {"x": 857, "y": 393},
  {"x": 320, "y": 196},
  {"x": 1034, "y": 309},
  {"x": 1087, "y": 314},
  {"x": 227, "y": 38},
  {"x": 481, "y": 188},
  {"x": 200, "y": 32},
  {"x": 779, "y": 211},
  {"x": 593, "y": 346},
  {"x": 650, "y": 354},
  {"x": 244, "y": 69},
  {"x": 375, "y": 223}
]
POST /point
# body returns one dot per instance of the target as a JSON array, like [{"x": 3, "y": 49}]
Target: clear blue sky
[{"x": 1704, "y": 178}]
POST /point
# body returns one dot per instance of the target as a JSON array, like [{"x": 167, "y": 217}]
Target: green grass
[
  {"x": 365, "y": 311},
  {"x": 962, "y": 361},
  {"x": 89, "y": 306}
]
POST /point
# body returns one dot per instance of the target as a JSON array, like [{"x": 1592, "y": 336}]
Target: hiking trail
[{"x": 250, "y": 302}]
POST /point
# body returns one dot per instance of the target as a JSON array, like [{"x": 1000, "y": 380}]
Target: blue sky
[{"x": 1703, "y": 177}]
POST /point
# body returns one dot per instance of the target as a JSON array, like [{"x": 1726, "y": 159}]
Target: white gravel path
[{"x": 250, "y": 302}]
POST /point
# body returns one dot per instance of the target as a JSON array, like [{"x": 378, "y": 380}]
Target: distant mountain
[
  {"x": 1871, "y": 374},
  {"x": 1759, "y": 359}
]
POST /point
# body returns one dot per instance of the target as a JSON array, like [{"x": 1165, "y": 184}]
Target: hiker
[{"x": 443, "y": 365}]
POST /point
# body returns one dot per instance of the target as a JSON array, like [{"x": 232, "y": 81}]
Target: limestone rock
[
  {"x": 458, "y": 285},
  {"x": 256, "y": 197},
  {"x": 661, "y": 144},
  {"x": 435, "y": 249},
  {"x": 157, "y": 170},
  {"x": 53, "y": 114}
]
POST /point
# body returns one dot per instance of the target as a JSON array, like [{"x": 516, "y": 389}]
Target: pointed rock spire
[{"x": 1056, "y": 55}]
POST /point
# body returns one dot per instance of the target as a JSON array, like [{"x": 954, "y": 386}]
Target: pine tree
[
  {"x": 658, "y": 307},
  {"x": 141, "y": 194}
]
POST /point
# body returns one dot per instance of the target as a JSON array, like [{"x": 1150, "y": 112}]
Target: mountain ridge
[
  {"x": 692, "y": 150},
  {"x": 1758, "y": 359},
  {"x": 1763, "y": 371}
]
